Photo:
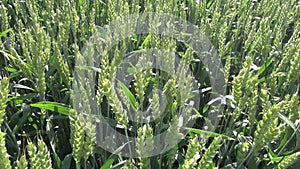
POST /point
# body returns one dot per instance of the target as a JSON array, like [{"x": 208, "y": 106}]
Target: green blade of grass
[
  {"x": 210, "y": 133},
  {"x": 52, "y": 106},
  {"x": 107, "y": 164},
  {"x": 66, "y": 163},
  {"x": 129, "y": 95},
  {"x": 5, "y": 32},
  {"x": 89, "y": 68},
  {"x": 264, "y": 67},
  {"x": 146, "y": 41}
]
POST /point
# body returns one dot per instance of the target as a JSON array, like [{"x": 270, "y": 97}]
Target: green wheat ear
[
  {"x": 77, "y": 137},
  {"x": 172, "y": 135},
  {"x": 4, "y": 83},
  {"x": 145, "y": 145},
  {"x": 22, "y": 163},
  {"x": 61, "y": 64},
  {"x": 266, "y": 129},
  {"x": 4, "y": 162},
  {"x": 288, "y": 161},
  {"x": 110, "y": 93},
  {"x": 4, "y": 18},
  {"x": 193, "y": 153},
  {"x": 207, "y": 158},
  {"x": 83, "y": 137},
  {"x": 39, "y": 155}
]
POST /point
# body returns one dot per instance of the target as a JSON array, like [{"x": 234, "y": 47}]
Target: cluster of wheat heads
[{"x": 257, "y": 41}]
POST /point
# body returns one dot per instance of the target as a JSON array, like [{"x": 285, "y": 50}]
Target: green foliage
[{"x": 257, "y": 41}]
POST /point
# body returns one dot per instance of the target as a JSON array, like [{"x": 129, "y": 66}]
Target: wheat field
[{"x": 45, "y": 97}]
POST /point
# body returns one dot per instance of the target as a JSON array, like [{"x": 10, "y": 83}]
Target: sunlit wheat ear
[
  {"x": 294, "y": 69},
  {"x": 49, "y": 12},
  {"x": 290, "y": 107},
  {"x": 148, "y": 7},
  {"x": 142, "y": 77},
  {"x": 169, "y": 7},
  {"x": 83, "y": 26},
  {"x": 240, "y": 86},
  {"x": 77, "y": 137},
  {"x": 74, "y": 21},
  {"x": 210, "y": 153},
  {"x": 112, "y": 10},
  {"x": 39, "y": 155},
  {"x": 22, "y": 163},
  {"x": 185, "y": 84},
  {"x": 294, "y": 113},
  {"x": 173, "y": 134},
  {"x": 61, "y": 64},
  {"x": 193, "y": 153},
  {"x": 4, "y": 18},
  {"x": 125, "y": 8},
  {"x": 90, "y": 139},
  {"x": 116, "y": 61},
  {"x": 110, "y": 93},
  {"x": 170, "y": 89},
  {"x": 289, "y": 61},
  {"x": 117, "y": 9},
  {"x": 266, "y": 129},
  {"x": 19, "y": 60},
  {"x": 264, "y": 96},
  {"x": 291, "y": 110},
  {"x": 63, "y": 21},
  {"x": 252, "y": 103},
  {"x": 145, "y": 145},
  {"x": 155, "y": 105},
  {"x": 4, "y": 162},
  {"x": 101, "y": 77},
  {"x": 4, "y": 84},
  {"x": 288, "y": 161},
  {"x": 38, "y": 43}
]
